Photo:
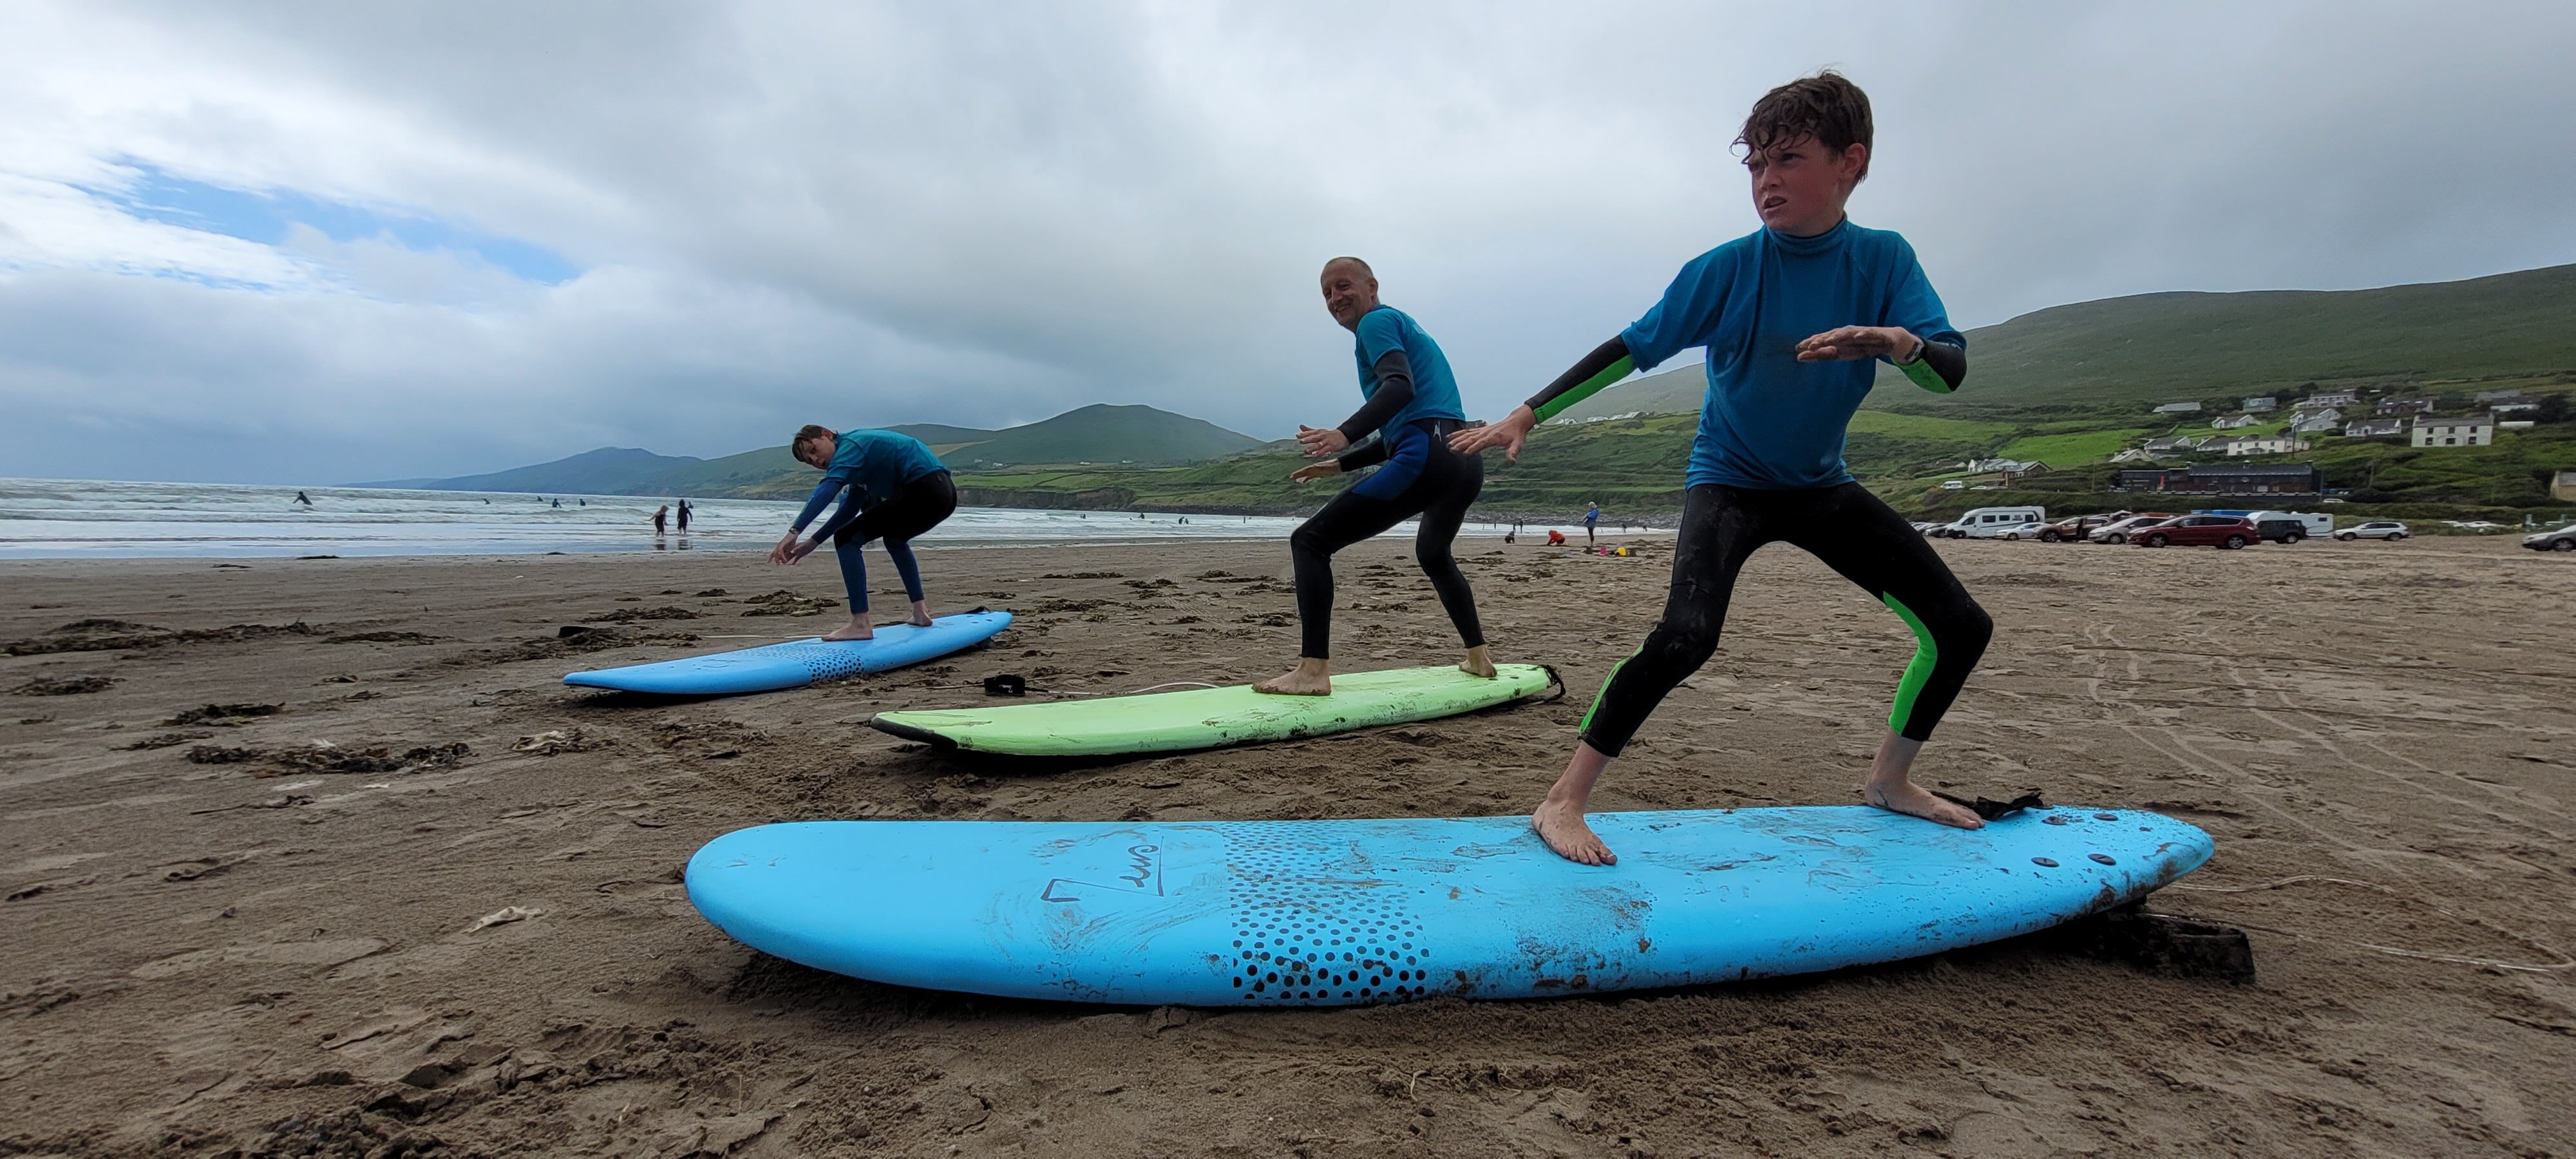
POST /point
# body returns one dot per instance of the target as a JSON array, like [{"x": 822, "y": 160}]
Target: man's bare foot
[
  {"x": 1311, "y": 677},
  {"x": 1478, "y": 663},
  {"x": 857, "y": 629},
  {"x": 920, "y": 618},
  {"x": 1560, "y": 824},
  {"x": 1910, "y": 799}
]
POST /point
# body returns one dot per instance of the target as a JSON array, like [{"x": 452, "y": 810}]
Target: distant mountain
[
  {"x": 1137, "y": 435},
  {"x": 2202, "y": 346},
  {"x": 606, "y": 471}
]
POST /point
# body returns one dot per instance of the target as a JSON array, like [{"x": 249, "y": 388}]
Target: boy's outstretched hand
[
  {"x": 1508, "y": 434},
  {"x": 1313, "y": 471},
  {"x": 1853, "y": 343},
  {"x": 1322, "y": 441}
]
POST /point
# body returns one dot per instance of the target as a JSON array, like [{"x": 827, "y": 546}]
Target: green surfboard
[{"x": 1206, "y": 718}]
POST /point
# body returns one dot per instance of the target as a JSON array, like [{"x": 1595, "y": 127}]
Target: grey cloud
[{"x": 985, "y": 214}]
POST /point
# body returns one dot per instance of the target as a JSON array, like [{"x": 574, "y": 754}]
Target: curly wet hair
[{"x": 1825, "y": 106}]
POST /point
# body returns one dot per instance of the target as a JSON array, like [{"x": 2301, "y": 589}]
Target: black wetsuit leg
[
  {"x": 920, "y": 506},
  {"x": 1448, "y": 484},
  {"x": 1853, "y": 533}
]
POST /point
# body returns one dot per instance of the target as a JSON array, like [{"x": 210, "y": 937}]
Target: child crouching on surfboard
[
  {"x": 891, "y": 488},
  {"x": 1411, "y": 402},
  {"x": 1794, "y": 317}
]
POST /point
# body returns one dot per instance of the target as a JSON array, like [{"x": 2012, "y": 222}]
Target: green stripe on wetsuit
[
  {"x": 1587, "y": 388},
  {"x": 1918, "y": 672},
  {"x": 1604, "y": 694},
  {"x": 1921, "y": 374}
]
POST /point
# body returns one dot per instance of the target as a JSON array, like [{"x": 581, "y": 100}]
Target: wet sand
[{"x": 225, "y": 939}]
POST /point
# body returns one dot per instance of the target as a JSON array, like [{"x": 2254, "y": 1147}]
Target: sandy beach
[{"x": 317, "y": 857}]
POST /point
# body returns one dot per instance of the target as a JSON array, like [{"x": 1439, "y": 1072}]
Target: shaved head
[{"x": 1354, "y": 263}]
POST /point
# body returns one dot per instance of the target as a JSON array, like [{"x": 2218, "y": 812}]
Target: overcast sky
[{"x": 311, "y": 243}]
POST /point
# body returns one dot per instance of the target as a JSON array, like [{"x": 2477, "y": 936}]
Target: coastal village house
[
  {"x": 2406, "y": 406},
  {"x": 2264, "y": 403},
  {"x": 2318, "y": 423},
  {"x": 2332, "y": 398},
  {"x": 2374, "y": 428},
  {"x": 2263, "y": 445},
  {"x": 2563, "y": 487},
  {"x": 2229, "y": 424},
  {"x": 2177, "y": 408},
  {"x": 2226, "y": 479},
  {"x": 2172, "y": 443},
  {"x": 2457, "y": 431}
]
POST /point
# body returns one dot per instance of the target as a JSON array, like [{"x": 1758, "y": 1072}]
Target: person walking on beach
[
  {"x": 892, "y": 488},
  {"x": 1591, "y": 525},
  {"x": 684, "y": 517},
  {"x": 1411, "y": 402},
  {"x": 1794, "y": 317},
  {"x": 661, "y": 520}
]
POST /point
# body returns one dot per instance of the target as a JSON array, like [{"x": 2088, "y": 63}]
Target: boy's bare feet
[
  {"x": 1478, "y": 663},
  {"x": 857, "y": 629},
  {"x": 1889, "y": 789},
  {"x": 1910, "y": 799},
  {"x": 920, "y": 614},
  {"x": 1560, "y": 824},
  {"x": 1559, "y": 819},
  {"x": 1311, "y": 677}
]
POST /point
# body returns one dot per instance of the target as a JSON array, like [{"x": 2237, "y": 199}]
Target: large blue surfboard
[
  {"x": 1334, "y": 913},
  {"x": 799, "y": 662}
]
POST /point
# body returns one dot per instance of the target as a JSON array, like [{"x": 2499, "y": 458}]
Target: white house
[
  {"x": 2373, "y": 428},
  {"x": 2177, "y": 408},
  {"x": 2229, "y": 424},
  {"x": 2455, "y": 431},
  {"x": 2140, "y": 455},
  {"x": 2262, "y": 403},
  {"x": 2318, "y": 425},
  {"x": 2263, "y": 445},
  {"x": 2309, "y": 414},
  {"x": 2333, "y": 398},
  {"x": 2406, "y": 406}
]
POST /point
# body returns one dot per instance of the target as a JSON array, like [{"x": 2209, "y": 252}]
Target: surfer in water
[
  {"x": 301, "y": 497},
  {"x": 1795, "y": 317},
  {"x": 1411, "y": 403},
  {"x": 892, "y": 488}
]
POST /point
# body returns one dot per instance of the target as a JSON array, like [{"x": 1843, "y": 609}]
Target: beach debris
[
  {"x": 382, "y": 638},
  {"x": 326, "y": 757},
  {"x": 711, "y": 593},
  {"x": 63, "y": 685},
  {"x": 630, "y": 615},
  {"x": 557, "y": 740},
  {"x": 786, "y": 603},
  {"x": 502, "y": 917},
  {"x": 225, "y": 714}
]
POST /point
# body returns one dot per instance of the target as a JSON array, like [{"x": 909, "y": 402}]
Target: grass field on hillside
[{"x": 2069, "y": 449}]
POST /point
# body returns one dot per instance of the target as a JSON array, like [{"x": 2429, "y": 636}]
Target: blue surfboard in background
[
  {"x": 1337, "y": 913},
  {"x": 798, "y": 663}
]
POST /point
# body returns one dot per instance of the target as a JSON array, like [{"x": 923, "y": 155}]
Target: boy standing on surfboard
[
  {"x": 895, "y": 490},
  {"x": 1794, "y": 317},
  {"x": 1411, "y": 401}
]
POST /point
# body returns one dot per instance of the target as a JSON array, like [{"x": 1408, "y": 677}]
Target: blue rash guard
[
  {"x": 1407, "y": 446},
  {"x": 872, "y": 465},
  {"x": 1772, "y": 422}
]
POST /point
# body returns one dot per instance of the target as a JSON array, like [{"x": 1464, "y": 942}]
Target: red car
[{"x": 2225, "y": 532}]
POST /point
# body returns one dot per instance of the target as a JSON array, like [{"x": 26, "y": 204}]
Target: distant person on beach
[
  {"x": 1591, "y": 524},
  {"x": 892, "y": 488},
  {"x": 684, "y": 517},
  {"x": 661, "y": 520},
  {"x": 1410, "y": 401},
  {"x": 1767, "y": 464},
  {"x": 303, "y": 498},
  {"x": 558, "y": 504}
]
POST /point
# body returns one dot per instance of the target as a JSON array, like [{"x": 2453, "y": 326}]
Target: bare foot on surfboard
[
  {"x": 857, "y": 629},
  {"x": 1910, "y": 799},
  {"x": 1560, "y": 824},
  {"x": 1308, "y": 678},
  {"x": 1478, "y": 663}
]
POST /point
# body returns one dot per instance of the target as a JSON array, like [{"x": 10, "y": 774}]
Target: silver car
[
  {"x": 2563, "y": 539},
  {"x": 2388, "y": 529}
]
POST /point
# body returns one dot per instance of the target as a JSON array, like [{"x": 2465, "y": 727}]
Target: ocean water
[{"x": 57, "y": 518}]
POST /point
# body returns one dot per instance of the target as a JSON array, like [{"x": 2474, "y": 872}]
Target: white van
[
  {"x": 2291, "y": 526},
  {"x": 1987, "y": 522}
]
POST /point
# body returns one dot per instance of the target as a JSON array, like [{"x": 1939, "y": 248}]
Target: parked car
[
  {"x": 2226, "y": 532},
  {"x": 2118, "y": 530},
  {"x": 2290, "y": 526},
  {"x": 2563, "y": 539},
  {"x": 1928, "y": 527},
  {"x": 2376, "y": 529},
  {"x": 2076, "y": 530},
  {"x": 1978, "y": 522},
  {"x": 2015, "y": 532}
]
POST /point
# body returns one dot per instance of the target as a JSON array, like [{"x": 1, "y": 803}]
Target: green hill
[
  {"x": 2193, "y": 346},
  {"x": 1106, "y": 435}
]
